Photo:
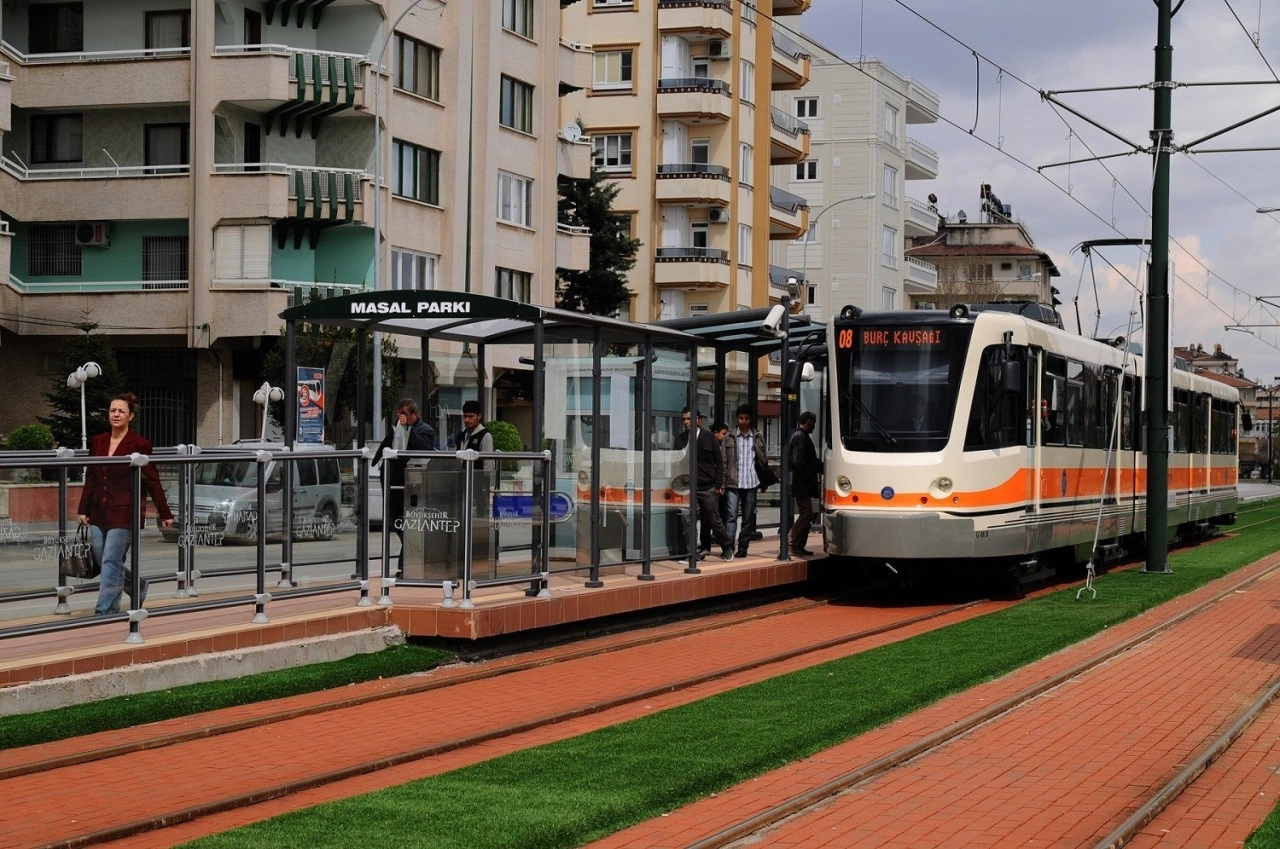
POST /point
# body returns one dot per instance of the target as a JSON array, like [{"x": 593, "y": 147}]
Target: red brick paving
[{"x": 1064, "y": 771}]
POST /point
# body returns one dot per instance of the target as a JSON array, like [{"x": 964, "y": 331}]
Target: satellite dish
[
  {"x": 571, "y": 132},
  {"x": 961, "y": 217}
]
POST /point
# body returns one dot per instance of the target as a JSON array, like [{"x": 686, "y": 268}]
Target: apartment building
[
  {"x": 678, "y": 110},
  {"x": 178, "y": 172},
  {"x": 855, "y": 180}
]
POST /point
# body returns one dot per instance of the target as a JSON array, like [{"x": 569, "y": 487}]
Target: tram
[{"x": 987, "y": 438}]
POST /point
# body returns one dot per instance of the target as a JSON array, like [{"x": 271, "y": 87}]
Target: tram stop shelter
[{"x": 592, "y": 490}]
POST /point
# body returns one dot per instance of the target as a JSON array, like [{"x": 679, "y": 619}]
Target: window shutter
[
  {"x": 242, "y": 253},
  {"x": 257, "y": 252}
]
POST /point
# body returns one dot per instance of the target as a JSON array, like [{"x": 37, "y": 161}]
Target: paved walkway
[{"x": 1062, "y": 772}]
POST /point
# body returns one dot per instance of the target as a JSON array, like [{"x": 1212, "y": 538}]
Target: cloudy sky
[{"x": 1225, "y": 253}]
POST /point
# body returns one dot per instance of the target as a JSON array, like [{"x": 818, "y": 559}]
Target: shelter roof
[{"x": 740, "y": 330}]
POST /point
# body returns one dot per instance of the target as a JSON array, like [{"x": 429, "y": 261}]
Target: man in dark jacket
[
  {"x": 407, "y": 433},
  {"x": 805, "y": 486},
  {"x": 710, "y": 467}
]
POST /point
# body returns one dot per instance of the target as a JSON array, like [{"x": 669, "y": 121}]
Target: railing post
[
  {"x": 137, "y": 612},
  {"x": 468, "y": 457},
  {"x": 261, "y": 597}
]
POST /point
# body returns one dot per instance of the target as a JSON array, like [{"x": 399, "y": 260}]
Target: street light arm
[{"x": 813, "y": 223}]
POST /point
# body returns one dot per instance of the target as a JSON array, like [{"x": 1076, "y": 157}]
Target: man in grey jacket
[{"x": 744, "y": 454}]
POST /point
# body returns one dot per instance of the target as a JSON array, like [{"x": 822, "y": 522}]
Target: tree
[
  {"x": 963, "y": 281},
  {"x": 602, "y": 288},
  {"x": 334, "y": 350},
  {"x": 64, "y": 402}
]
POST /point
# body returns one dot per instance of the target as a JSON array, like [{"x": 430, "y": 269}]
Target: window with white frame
[
  {"x": 517, "y": 16},
  {"x": 701, "y": 67},
  {"x": 888, "y": 298},
  {"x": 612, "y": 151},
  {"x": 52, "y": 251},
  {"x": 889, "y": 247},
  {"x": 811, "y": 296},
  {"x": 514, "y": 285},
  {"x": 807, "y": 171},
  {"x": 806, "y": 107},
  {"x": 701, "y": 232},
  {"x": 745, "y": 163},
  {"x": 747, "y": 90},
  {"x": 417, "y": 67},
  {"x": 415, "y": 172},
  {"x": 242, "y": 252},
  {"x": 748, "y": 12},
  {"x": 164, "y": 257},
  {"x": 516, "y": 107},
  {"x": 57, "y": 138},
  {"x": 612, "y": 71},
  {"x": 700, "y": 151},
  {"x": 809, "y": 236},
  {"x": 744, "y": 244},
  {"x": 890, "y": 187},
  {"x": 412, "y": 270},
  {"x": 891, "y": 124},
  {"x": 515, "y": 199}
]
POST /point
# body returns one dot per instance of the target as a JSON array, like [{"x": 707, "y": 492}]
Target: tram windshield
[{"x": 897, "y": 383}]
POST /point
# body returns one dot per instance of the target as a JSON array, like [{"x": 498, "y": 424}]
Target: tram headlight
[
  {"x": 584, "y": 477},
  {"x": 843, "y": 485},
  {"x": 941, "y": 487},
  {"x": 680, "y": 484}
]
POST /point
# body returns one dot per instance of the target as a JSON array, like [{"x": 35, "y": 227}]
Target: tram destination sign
[{"x": 904, "y": 337}]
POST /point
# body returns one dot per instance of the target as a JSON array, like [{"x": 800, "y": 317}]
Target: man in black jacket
[
  {"x": 805, "y": 486},
  {"x": 407, "y": 433},
  {"x": 710, "y": 467}
]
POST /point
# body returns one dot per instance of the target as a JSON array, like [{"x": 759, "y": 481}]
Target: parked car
[{"x": 226, "y": 496}]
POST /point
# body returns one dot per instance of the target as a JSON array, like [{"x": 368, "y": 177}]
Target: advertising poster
[{"x": 310, "y": 405}]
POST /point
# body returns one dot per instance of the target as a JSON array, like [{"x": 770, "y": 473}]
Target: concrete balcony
[
  {"x": 573, "y": 158},
  {"x": 39, "y": 309},
  {"x": 920, "y": 220},
  {"x": 280, "y": 191},
  {"x": 573, "y": 247},
  {"x": 313, "y": 82},
  {"x": 919, "y": 277},
  {"x": 922, "y": 104},
  {"x": 98, "y": 194},
  {"x": 575, "y": 66},
  {"x": 791, "y": 7},
  {"x": 788, "y": 214},
  {"x": 698, "y": 18},
  {"x": 694, "y": 183},
  {"x": 691, "y": 268},
  {"x": 103, "y": 78},
  {"x": 921, "y": 161},
  {"x": 788, "y": 138},
  {"x": 6, "y": 99},
  {"x": 695, "y": 99},
  {"x": 790, "y": 63}
]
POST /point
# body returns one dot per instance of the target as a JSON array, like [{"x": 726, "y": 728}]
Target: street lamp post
[
  {"x": 76, "y": 380},
  {"x": 804, "y": 255},
  {"x": 266, "y": 392}
]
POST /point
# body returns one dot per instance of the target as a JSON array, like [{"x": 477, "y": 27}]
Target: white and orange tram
[{"x": 997, "y": 439}]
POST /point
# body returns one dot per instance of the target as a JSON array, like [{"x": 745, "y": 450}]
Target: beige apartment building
[
  {"x": 857, "y": 181},
  {"x": 679, "y": 113},
  {"x": 180, "y": 171}
]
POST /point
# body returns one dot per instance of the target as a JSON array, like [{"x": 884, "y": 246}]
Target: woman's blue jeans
[{"x": 110, "y": 547}]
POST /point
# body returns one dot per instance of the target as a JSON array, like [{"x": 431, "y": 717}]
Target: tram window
[
  {"x": 1200, "y": 425},
  {"x": 1055, "y": 392},
  {"x": 997, "y": 417},
  {"x": 1181, "y": 421},
  {"x": 1222, "y": 423},
  {"x": 1126, "y": 416},
  {"x": 1075, "y": 413}
]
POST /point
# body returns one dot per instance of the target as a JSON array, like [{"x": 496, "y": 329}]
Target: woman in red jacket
[{"x": 107, "y": 499}]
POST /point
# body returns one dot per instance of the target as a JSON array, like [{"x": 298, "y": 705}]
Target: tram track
[
  {"x": 754, "y": 830},
  {"x": 63, "y": 767}
]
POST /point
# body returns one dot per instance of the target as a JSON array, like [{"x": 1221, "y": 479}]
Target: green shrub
[
  {"x": 30, "y": 437},
  {"x": 505, "y": 438}
]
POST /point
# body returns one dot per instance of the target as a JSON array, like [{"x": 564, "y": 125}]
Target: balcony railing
[
  {"x": 330, "y": 181},
  {"x": 24, "y": 173},
  {"x": 704, "y": 4},
  {"x": 789, "y": 124},
  {"x": 693, "y": 169},
  {"x": 693, "y": 84},
  {"x": 95, "y": 55},
  {"x": 101, "y": 287},
  {"x": 691, "y": 255},
  {"x": 786, "y": 201},
  {"x": 573, "y": 229},
  {"x": 311, "y": 60},
  {"x": 789, "y": 47}
]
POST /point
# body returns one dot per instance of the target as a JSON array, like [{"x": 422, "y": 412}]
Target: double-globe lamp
[{"x": 76, "y": 380}]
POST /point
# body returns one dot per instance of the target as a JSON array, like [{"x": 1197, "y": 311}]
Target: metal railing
[
  {"x": 693, "y": 84},
  {"x": 789, "y": 47},
  {"x": 332, "y": 180},
  {"x": 789, "y": 124},
  {"x": 309, "y": 64},
  {"x": 693, "y": 169},
  {"x": 99, "y": 287},
  {"x": 24, "y": 173},
  {"x": 783, "y": 200},
  {"x": 682, "y": 254},
  {"x": 94, "y": 55}
]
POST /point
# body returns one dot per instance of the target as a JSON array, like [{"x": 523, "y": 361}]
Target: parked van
[{"x": 226, "y": 496}]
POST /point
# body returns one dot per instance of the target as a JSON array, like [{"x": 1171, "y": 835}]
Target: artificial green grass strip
[
  {"x": 574, "y": 791},
  {"x": 128, "y": 711}
]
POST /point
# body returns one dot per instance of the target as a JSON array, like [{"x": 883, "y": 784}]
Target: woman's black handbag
[
  {"x": 765, "y": 472},
  {"x": 76, "y": 559}
]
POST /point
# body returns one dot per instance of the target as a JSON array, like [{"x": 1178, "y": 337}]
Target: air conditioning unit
[
  {"x": 718, "y": 48},
  {"x": 93, "y": 234},
  {"x": 718, "y": 215}
]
